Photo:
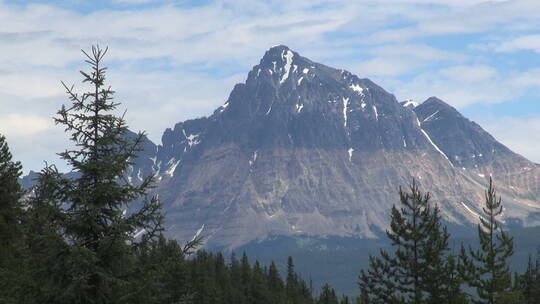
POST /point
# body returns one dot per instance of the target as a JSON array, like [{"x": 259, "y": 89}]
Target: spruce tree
[
  {"x": 275, "y": 284},
  {"x": 529, "y": 282},
  {"x": 102, "y": 210},
  {"x": 328, "y": 295},
  {"x": 415, "y": 271},
  {"x": 245, "y": 278},
  {"x": 487, "y": 269},
  {"x": 48, "y": 264},
  {"x": 10, "y": 199},
  {"x": 291, "y": 283},
  {"x": 10, "y": 217},
  {"x": 259, "y": 286}
]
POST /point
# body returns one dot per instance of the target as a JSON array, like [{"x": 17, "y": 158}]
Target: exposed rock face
[
  {"x": 464, "y": 142},
  {"x": 302, "y": 148}
]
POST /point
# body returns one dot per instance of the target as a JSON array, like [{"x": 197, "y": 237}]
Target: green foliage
[
  {"x": 528, "y": 284},
  {"x": 83, "y": 227},
  {"x": 327, "y": 296},
  {"x": 10, "y": 217},
  {"x": 420, "y": 269},
  {"x": 10, "y": 195},
  {"x": 49, "y": 265},
  {"x": 487, "y": 269},
  {"x": 211, "y": 280}
]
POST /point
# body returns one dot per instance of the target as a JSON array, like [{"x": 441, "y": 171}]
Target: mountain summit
[{"x": 301, "y": 148}]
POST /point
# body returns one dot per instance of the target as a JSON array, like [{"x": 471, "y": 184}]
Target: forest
[{"x": 97, "y": 238}]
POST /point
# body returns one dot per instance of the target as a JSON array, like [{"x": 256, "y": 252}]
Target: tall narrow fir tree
[{"x": 487, "y": 269}]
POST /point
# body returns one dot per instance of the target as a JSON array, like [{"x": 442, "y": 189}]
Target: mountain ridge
[{"x": 301, "y": 148}]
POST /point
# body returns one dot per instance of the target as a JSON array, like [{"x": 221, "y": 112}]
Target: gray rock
[{"x": 303, "y": 149}]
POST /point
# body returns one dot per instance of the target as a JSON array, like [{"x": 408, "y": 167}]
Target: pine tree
[
  {"x": 452, "y": 293},
  {"x": 161, "y": 273},
  {"x": 48, "y": 264},
  {"x": 328, "y": 295},
  {"x": 487, "y": 269},
  {"x": 291, "y": 283},
  {"x": 236, "y": 293},
  {"x": 259, "y": 286},
  {"x": 10, "y": 217},
  {"x": 245, "y": 278},
  {"x": 345, "y": 300},
  {"x": 275, "y": 284},
  {"x": 415, "y": 271},
  {"x": 10, "y": 198},
  {"x": 99, "y": 204},
  {"x": 529, "y": 282}
]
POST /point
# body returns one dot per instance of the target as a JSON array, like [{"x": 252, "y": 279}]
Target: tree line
[
  {"x": 421, "y": 268},
  {"x": 97, "y": 238}
]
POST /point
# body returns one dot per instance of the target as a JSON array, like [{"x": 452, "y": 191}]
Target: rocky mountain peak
[
  {"x": 464, "y": 142},
  {"x": 409, "y": 103},
  {"x": 301, "y": 148},
  {"x": 434, "y": 105}
]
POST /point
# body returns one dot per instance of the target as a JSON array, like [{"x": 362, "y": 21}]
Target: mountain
[{"x": 303, "y": 149}]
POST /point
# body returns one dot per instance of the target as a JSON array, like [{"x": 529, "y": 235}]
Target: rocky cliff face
[{"x": 305, "y": 149}]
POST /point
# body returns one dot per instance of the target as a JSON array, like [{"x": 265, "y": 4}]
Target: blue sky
[{"x": 174, "y": 60}]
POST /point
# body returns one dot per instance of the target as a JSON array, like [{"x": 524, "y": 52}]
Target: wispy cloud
[
  {"x": 519, "y": 134},
  {"x": 528, "y": 42},
  {"x": 161, "y": 50}
]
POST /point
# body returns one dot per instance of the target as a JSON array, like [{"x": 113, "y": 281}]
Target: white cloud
[
  {"x": 398, "y": 59},
  {"x": 530, "y": 78},
  {"x": 460, "y": 86},
  {"x": 521, "y": 135},
  {"x": 169, "y": 63},
  {"x": 15, "y": 125},
  {"x": 31, "y": 84},
  {"x": 529, "y": 42},
  {"x": 475, "y": 73},
  {"x": 135, "y": 1}
]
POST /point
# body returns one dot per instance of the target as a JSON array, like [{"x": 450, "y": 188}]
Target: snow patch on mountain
[
  {"x": 174, "y": 163},
  {"x": 198, "y": 233},
  {"x": 409, "y": 103},
  {"x": 345, "y": 110},
  {"x": 431, "y": 116},
  {"x": 357, "y": 88},
  {"x": 288, "y": 57},
  {"x": 435, "y": 146}
]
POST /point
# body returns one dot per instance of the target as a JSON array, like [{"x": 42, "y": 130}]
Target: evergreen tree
[
  {"x": 529, "y": 282},
  {"x": 10, "y": 217},
  {"x": 236, "y": 293},
  {"x": 275, "y": 284},
  {"x": 416, "y": 271},
  {"x": 48, "y": 264},
  {"x": 345, "y": 300},
  {"x": 259, "y": 287},
  {"x": 161, "y": 274},
  {"x": 452, "y": 293},
  {"x": 291, "y": 283},
  {"x": 245, "y": 278},
  {"x": 327, "y": 296},
  {"x": 486, "y": 269},
  {"x": 100, "y": 217},
  {"x": 10, "y": 200}
]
